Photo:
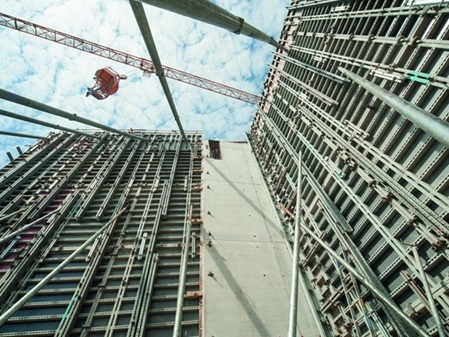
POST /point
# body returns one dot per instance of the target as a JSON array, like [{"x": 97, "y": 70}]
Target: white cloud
[{"x": 58, "y": 75}]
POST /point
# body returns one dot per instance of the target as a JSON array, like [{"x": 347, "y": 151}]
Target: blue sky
[{"x": 58, "y": 75}]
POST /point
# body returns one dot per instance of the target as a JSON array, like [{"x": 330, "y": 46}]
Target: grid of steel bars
[{"x": 375, "y": 186}]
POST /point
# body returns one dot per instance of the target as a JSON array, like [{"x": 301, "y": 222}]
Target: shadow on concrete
[
  {"x": 251, "y": 203},
  {"x": 241, "y": 296}
]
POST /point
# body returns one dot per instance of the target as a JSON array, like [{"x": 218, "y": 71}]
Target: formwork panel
[
  {"x": 373, "y": 183},
  {"x": 142, "y": 200}
]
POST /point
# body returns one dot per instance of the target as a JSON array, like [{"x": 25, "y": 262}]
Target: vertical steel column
[
  {"x": 434, "y": 126},
  {"x": 433, "y": 307},
  {"x": 293, "y": 318}
]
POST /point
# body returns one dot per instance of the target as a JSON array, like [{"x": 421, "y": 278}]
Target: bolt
[
  {"x": 209, "y": 243},
  {"x": 211, "y": 274}
]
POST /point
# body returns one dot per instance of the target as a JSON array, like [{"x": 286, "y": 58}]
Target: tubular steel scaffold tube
[
  {"x": 20, "y": 230},
  {"x": 293, "y": 320},
  {"x": 208, "y": 12},
  {"x": 434, "y": 126},
  {"x": 9, "y": 96},
  {"x": 387, "y": 301},
  {"x": 22, "y": 135},
  {"x": 6, "y": 217},
  {"x": 8, "y": 313},
  {"x": 39, "y": 122},
  {"x": 430, "y": 299},
  {"x": 144, "y": 27}
]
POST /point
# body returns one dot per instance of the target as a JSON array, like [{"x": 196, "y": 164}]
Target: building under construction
[{"x": 343, "y": 182}]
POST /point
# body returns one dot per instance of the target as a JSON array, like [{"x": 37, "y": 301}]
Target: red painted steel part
[{"x": 106, "y": 84}]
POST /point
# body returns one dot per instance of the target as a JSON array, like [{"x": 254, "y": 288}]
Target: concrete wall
[{"x": 247, "y": 265}]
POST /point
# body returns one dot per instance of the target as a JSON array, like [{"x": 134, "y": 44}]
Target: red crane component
[
  {"x": 106, "y": 83},
  {"x": 122, "y": 57}
]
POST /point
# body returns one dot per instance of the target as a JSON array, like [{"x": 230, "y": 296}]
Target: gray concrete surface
[{"x": 249, "y": 292}]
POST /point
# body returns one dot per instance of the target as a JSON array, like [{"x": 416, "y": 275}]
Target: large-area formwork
[
  {"x": 375, "y": 186},
  {"x": 117, "y": 236},
  {"x": 140, "y": 274}
]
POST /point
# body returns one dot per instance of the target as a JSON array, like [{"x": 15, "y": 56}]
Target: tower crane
[{"x": 138, "y": 62}]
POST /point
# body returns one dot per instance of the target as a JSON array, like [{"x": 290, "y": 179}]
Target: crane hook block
[{"x": 106, "y": 83}]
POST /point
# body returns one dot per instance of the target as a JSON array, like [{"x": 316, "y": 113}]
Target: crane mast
[{"x": 116, "y": 55}]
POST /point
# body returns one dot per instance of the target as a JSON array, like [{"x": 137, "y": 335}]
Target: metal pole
[
  {"x": 13, "y": 234},
  {"x": 47, "y": 124},
  {"x": 208, "y": 12},
  {"x": 182, "y": 283},
  {"x": 348, "y": 300},
  {"x": 434, "y": 126},
  {"x": 387, "y": 301},
  {"x": 8, "y": 313},
  {"x": 6, "y": 217},
  {"x": 293, "y": 318},
  {"x": 144, "y": 27},
  {"x": 9, "y": 96},
  {"x": 15, "y": 134},
  {"x": 433, "y": 307}
]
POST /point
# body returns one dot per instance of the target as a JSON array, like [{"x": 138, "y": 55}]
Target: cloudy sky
[{"x": 56, "y": 75}]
